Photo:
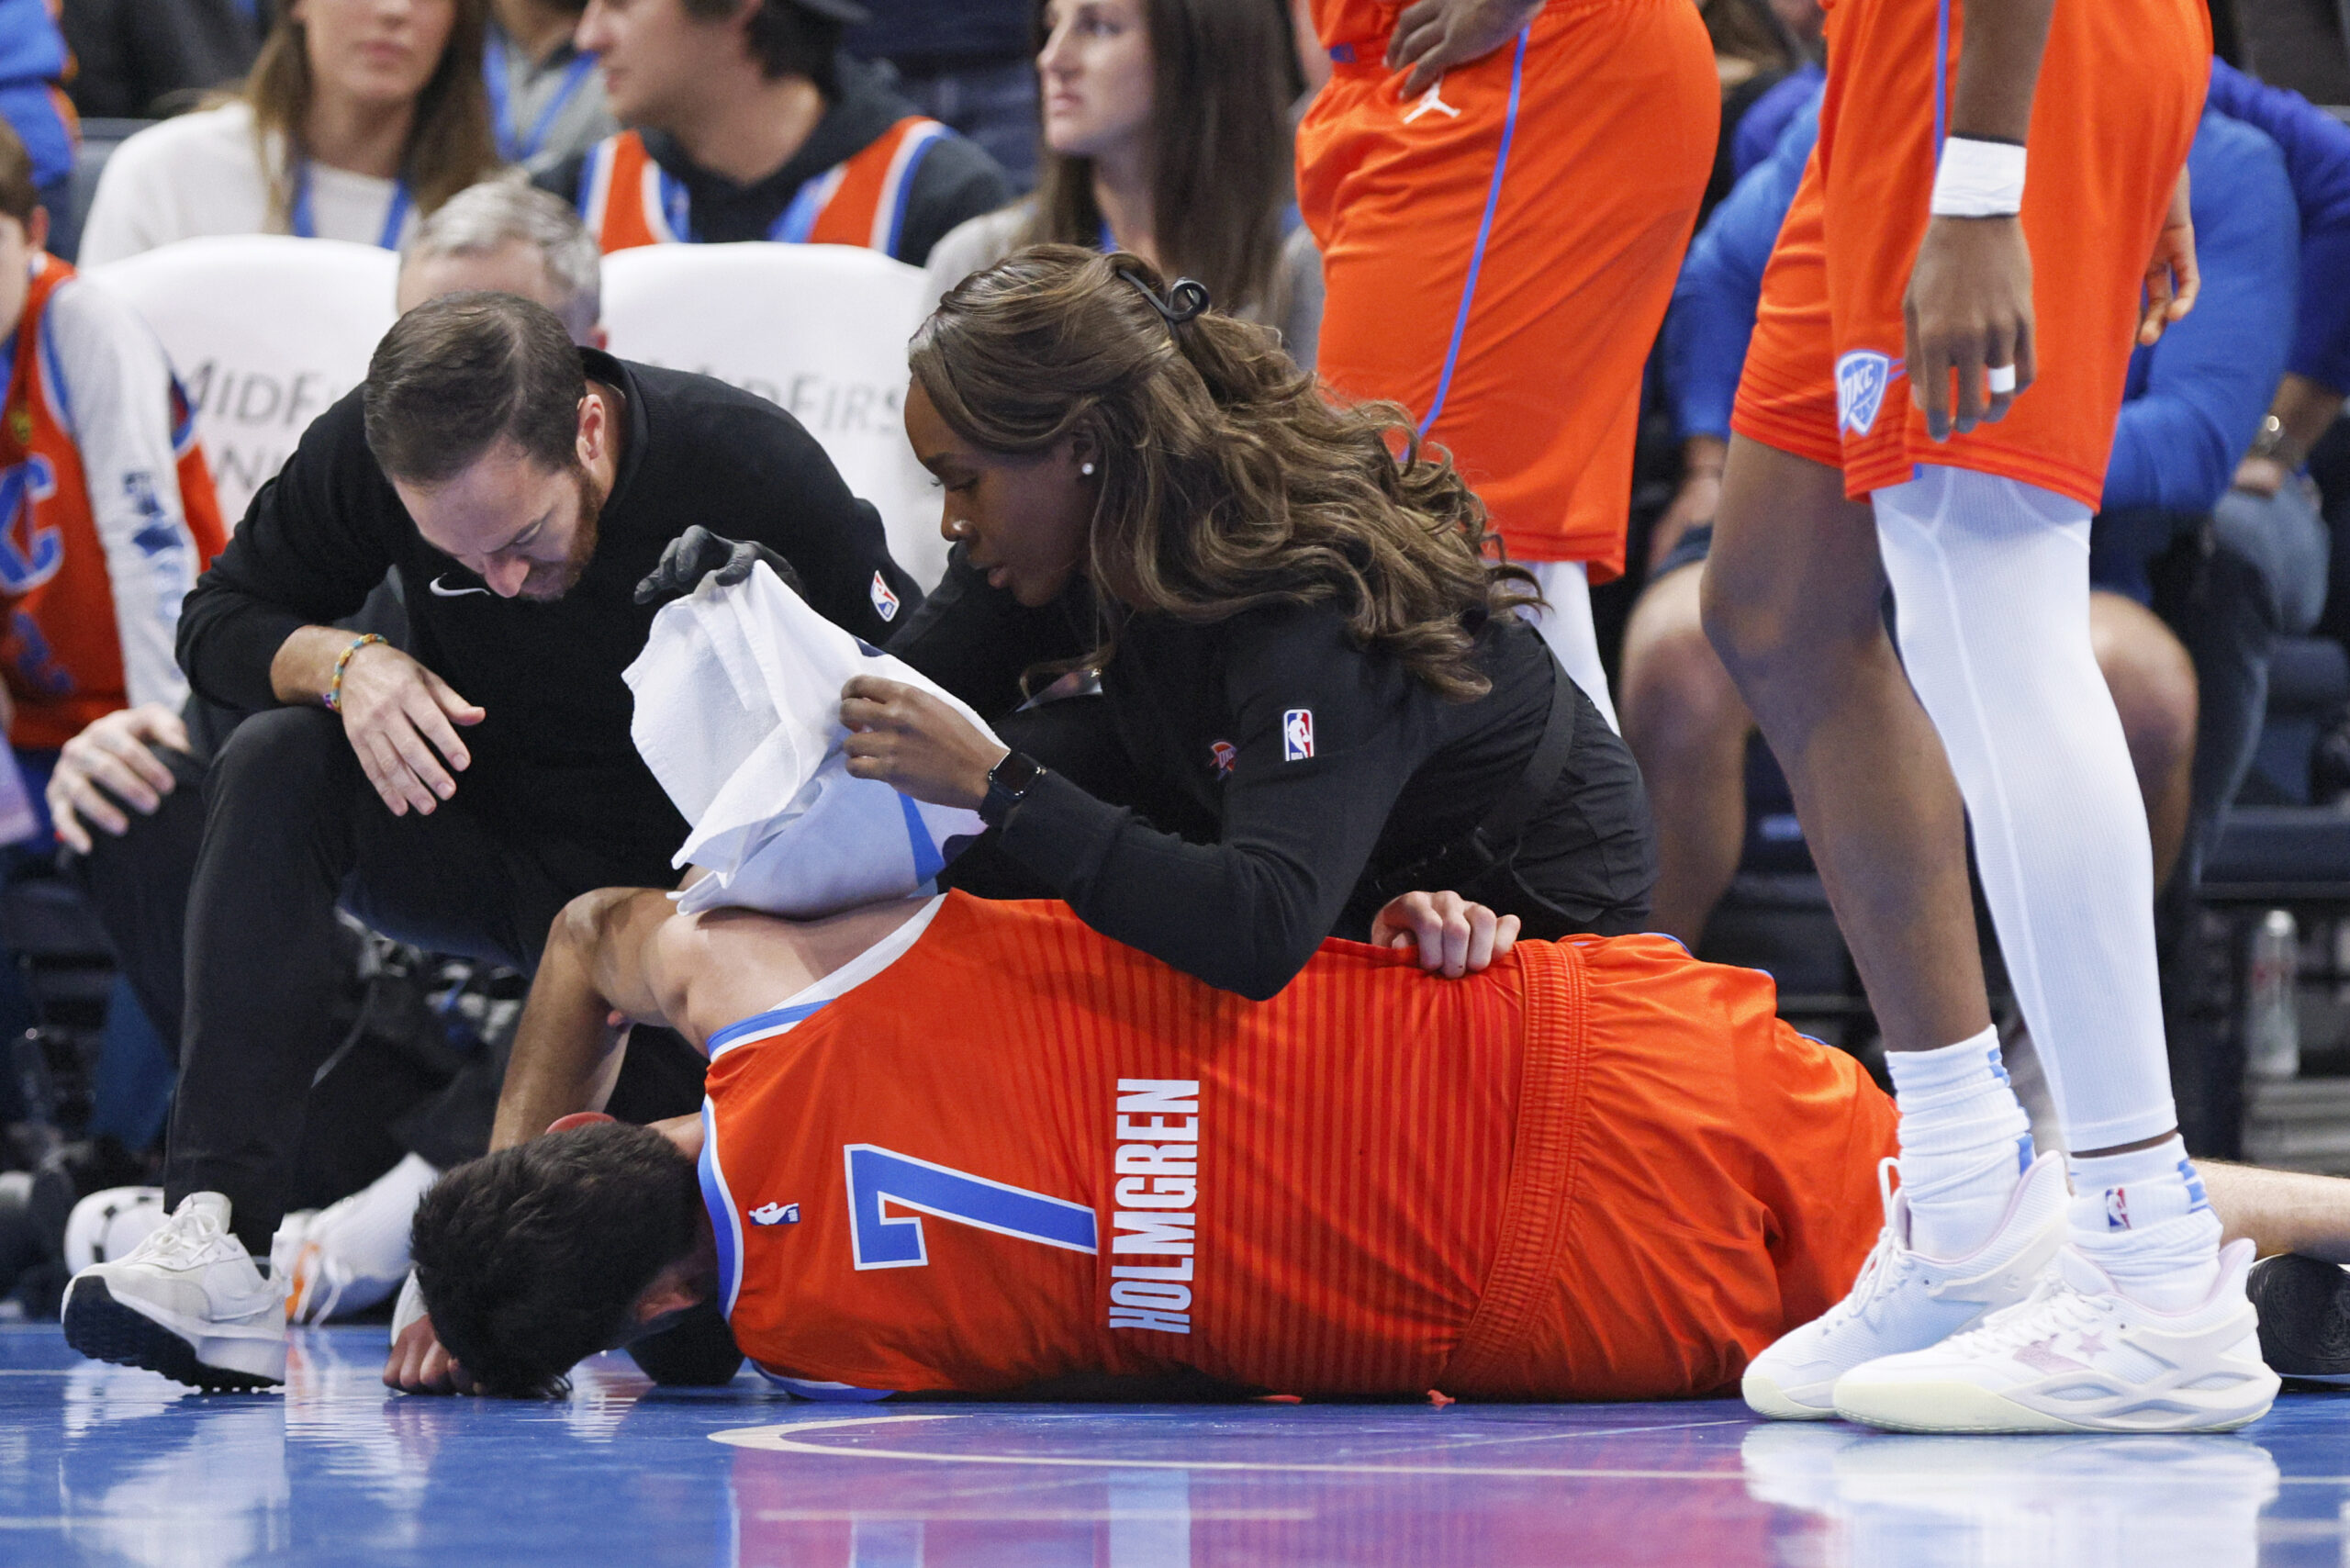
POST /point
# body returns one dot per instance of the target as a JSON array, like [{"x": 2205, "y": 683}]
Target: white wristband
[{"x": 1978, "y": 179}]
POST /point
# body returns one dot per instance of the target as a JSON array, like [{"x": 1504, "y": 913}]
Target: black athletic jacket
[
  {"x": 554, "y": 758},
  {"x": 1225, "y": 803}
]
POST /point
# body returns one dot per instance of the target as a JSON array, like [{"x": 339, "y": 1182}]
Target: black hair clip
[{"x": 1186, "y": 298}]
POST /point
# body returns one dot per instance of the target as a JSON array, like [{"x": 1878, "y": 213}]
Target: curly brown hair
[{"x": 1227, "y": 481}]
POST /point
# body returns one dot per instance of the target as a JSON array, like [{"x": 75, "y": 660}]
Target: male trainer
[{"x": 456, "y": 798}]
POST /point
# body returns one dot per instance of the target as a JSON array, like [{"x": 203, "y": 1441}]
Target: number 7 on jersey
[{"x": 878, "y": 1177}]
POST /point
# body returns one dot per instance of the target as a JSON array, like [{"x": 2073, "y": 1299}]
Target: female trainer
[{"x": 1316, "y": 690}]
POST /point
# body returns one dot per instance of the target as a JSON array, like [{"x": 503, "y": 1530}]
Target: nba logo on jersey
[
  {"x": 1861, "y": 377},
  {"x": 1297, "y": 734},
  {"x": 885, "y": 603},
  {"x": 775, "y": 1213}
]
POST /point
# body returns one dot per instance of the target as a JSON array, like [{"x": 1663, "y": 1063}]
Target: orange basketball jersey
[
  {"x": 61, "y": 650},
  {"x": 1016, "y": 1151},
  {"x": 2121, "y": 87},
  {"x": 627, "y": 199}
]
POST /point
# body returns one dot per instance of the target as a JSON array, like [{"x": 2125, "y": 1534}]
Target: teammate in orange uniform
[
  {"x": 1928, "y": 402},
  {"x": 106, "y": 513},
  {"x": 982, "y": 1147},
  {"x": 746, "y": 122},
  {"x": 1500, "y": 229}
]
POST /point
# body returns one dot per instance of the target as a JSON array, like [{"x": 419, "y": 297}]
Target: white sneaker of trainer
[
  {"x": 188, "y": 1302},
  {"x": 1905, "y": 1300},
  {"x": 2079, "y": 1356}
]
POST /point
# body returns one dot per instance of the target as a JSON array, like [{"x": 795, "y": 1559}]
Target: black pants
[{"x": 291, "y": 828}]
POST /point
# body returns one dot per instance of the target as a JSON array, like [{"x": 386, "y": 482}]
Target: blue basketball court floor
[{"x": 100, "y": 1465}]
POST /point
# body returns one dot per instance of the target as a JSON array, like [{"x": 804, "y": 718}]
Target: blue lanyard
[
  {"x": 512, "y": 146},
  {"x": 304, "y": 223},
  {"x": 793, "y": 227}
]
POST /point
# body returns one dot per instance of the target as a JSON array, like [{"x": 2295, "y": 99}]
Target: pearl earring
[{"x": 1085, "y": 468}]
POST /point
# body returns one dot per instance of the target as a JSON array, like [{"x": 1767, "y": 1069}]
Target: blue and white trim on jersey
[
  {"x": 1485, "y": 233},
  {"x": 788, "y": 1014},
  {"x": 725, "y": 1220}
]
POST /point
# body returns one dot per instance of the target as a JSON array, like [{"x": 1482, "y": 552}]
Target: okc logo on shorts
[
  {"x": 1297, "y": 734},
  {"x": 1222, "y": 755},
  {"x": 1861, "y": 377},
  {"x": 885, "y": 603}
]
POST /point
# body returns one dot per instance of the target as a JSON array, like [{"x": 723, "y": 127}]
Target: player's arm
[
  {"x": 1968, "y": 309},
  {"x": 598, "y": 974},
  {"x": 2281, "y": 1211}
]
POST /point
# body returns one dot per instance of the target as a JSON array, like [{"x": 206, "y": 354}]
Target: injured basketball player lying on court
[{"x": 955, "y": 1146}]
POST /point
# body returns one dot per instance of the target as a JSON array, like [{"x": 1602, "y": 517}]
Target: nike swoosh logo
[{"x": 441, "y": 592}]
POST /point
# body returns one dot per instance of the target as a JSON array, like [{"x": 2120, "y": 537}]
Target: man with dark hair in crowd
[
  {"x": 747, "y": 121},
  {"x": 456, "y": 796}
]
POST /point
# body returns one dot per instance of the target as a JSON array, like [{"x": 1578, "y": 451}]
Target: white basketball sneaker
[
  {"x": 1906, "y": 1301},
  {"x": 188, "y": 1302},
  {"x": 2079, "y": 1356}
]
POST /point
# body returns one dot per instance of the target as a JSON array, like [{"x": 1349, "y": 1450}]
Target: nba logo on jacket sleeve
[
  {"x": 1297, "y": 734},
  {"x": 885, "y": 603},
  {"x": 1861, "y": 377}
]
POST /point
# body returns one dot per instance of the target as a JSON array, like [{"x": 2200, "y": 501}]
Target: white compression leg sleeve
[
  {"x": 1567, "y": 627},
  {"x": 1990, "y": 577}
]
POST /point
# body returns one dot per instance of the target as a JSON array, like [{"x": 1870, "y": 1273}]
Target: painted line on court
[{"x": 784, "y": 1439}]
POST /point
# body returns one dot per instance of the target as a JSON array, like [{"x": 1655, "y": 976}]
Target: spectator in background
[
  {"x": 106, "y": 513},
  {"x": 359, "y": 116},
  {"x": 1166, "y": 135},
  {"x": 1771, "y": 55},
  {"x": 966, "y": 65},
  {"x": 140, "y": 60},
  {"x": 547, "y": 99},
  {"x": 2264, "y": 574},
  {"x": 2193, "y": 403},
  {"x": 747, "y": 122}
]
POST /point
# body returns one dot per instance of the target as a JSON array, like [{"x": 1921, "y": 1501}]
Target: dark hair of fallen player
[{"x": 532, "y": 1258}]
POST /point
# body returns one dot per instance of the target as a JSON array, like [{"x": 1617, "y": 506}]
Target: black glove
[{"x": 697, "y": 552}]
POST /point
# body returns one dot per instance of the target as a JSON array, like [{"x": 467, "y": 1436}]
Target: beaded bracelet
[{"x": 333, "y": 697}]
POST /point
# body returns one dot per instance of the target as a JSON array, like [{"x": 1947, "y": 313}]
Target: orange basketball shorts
[
  {"x": 1722, "y": 1188},
  {"x": 2120, "y": 89},
  {"x": 1498, "y": 252}
]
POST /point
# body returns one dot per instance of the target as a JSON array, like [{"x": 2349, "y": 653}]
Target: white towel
[{"x": 738, "y": 695}]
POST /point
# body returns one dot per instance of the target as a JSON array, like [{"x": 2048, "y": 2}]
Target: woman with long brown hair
[
  {"x": 1166, "y": 133},
  {"x": 359, "y": 116},
  {"x": 1316, "y": 692}
]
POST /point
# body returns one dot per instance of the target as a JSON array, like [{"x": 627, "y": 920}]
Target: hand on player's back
[
  {"x": 1968, "y": 312},
  {"x": 1454, "y": 937},
  {"x": 402, "y": 721}
]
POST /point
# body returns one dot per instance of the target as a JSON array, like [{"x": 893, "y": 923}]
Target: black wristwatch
[{"x": 1008, "y": 782}]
